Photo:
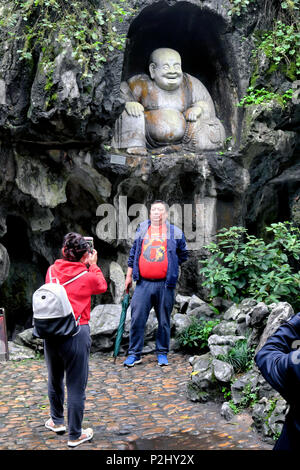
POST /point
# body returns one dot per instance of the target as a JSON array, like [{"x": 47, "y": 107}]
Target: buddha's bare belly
[{"x": 165, "y": 125}]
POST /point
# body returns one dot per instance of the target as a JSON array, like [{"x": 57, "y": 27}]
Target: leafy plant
[
  {"x": 48, "y": 26},
  {"x": 195, "y": 336},
  {"x": 239, "y": 7},
  {"x": 261, "y": 95},
  {"x": 250, "y": 397},
  {"x": 239, "y": 356},
  {"x": 240, "y": 265},
  {"x": 281, "y": 46}
]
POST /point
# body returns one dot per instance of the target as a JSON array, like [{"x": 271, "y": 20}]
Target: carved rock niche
[{"x": 198, "y": 36}]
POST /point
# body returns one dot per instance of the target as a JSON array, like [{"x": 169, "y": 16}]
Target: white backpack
[{"x": 53, "y": 315}]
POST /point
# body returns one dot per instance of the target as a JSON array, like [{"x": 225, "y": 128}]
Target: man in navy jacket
[
  {"x": 279, "y": 363},
  {"x": 158, "y": 250}
]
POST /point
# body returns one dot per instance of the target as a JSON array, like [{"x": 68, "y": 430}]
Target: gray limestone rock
[
  {"x": 26, "y": 338},
  {"x": 104, "y": 323},
  {"x": 19, "y": 353},
  {"x": 235, "y": 311},
  {"x": 36, "y": 179},
  {"x": 4, "y": 264},
  {"x": 257, "y": 314},
  {"x": 117, "y": 278},
  {"x": 280, "y": 313},
  {"x": 229, "y": 340},
  {"x": 227, "y": 412},
  {"x": 225, "y": 328},
  {"x": 202, "y": 374},
  {"x": 269, "y": 416},
  {"x": 181, "y": 322},
  {"x": 239, "y": 387},
  {"x": 183, "y": 302},
  {"x": 223, "y": 371}
]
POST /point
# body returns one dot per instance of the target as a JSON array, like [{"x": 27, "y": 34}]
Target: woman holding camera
[{"x": 70, "y": 355}]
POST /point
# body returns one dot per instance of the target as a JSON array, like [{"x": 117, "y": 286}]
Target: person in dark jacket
[
  {"x": 70, "y": 355},
  {"x": 158, "y": 250},
  {"x": 279, "y": 363}
]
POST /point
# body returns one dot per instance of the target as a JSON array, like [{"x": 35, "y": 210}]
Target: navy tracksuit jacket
[{"x": 279, "y": 363}]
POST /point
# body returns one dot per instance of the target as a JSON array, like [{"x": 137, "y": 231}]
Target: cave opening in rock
[
  {"x": 198, "y": 35},
  {"x": 27, "y": 271}
]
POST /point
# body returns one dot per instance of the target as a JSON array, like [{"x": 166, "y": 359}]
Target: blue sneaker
[
  {"x": 131, "y": 361},
  {"x": 162, "y": 359}
]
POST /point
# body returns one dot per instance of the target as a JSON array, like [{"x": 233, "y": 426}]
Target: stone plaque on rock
[{"x": 118, "y": 159}]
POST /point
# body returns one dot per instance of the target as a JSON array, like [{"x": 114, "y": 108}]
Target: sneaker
[
  {"x": 162, "y": 360},
  {"x": 49, "y": 424},
  {"x": 86, "y": 435},
  {"x": 131, "y": 361}
]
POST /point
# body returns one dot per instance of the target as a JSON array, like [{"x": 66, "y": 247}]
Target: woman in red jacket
[{"x": 71, "y": 355}]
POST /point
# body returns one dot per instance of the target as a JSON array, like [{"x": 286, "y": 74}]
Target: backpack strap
[
  {"x": 68, "y": 282},
  {"x": 74, "y": 278},
  {"x": 52, "y": 278}
]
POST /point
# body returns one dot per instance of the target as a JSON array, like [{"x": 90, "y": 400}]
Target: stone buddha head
[{"x": 165, "y": 68}]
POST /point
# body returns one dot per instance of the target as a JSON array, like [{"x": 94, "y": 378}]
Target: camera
[{"x": 90, "y": 241}]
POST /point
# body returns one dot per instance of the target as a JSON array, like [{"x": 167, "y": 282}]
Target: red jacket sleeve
[{"x": 97, "y": 280}]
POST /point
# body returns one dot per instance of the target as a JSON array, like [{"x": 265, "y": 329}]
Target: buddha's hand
[
  {"x": 192, "y": 114},
  {"x": 133, "y": 108}
]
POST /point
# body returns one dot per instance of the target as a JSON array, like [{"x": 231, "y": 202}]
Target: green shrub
[
  {"x": 194, "y": 338},
  {"x": 240, "y": 265}
]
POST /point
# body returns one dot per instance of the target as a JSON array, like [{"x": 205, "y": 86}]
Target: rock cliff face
[{"x": 57, "y": 167}]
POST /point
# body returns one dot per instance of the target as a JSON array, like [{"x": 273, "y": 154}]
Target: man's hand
[
  {"x": 133, "y": 108},
  {"x": 128, "y": 283},
  {"x": 128, "y": 280},
  {"x": 192, "y": 114}
]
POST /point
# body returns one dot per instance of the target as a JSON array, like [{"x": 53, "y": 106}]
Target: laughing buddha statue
[{"x": 170, "y": 109}]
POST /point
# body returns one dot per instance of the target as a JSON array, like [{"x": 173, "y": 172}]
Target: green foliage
[
  {"x": 239, "y": 7},
  {"x": 262, "y": 96},
  {"x": 49, "y": 26},
  {"x": 249, "y": 398},
  {"x": 195, "y": 336},
  {"x": 241, "y": 265},
  {"x": 239, "y": 356},
  {"x": 281, "y": 46}
]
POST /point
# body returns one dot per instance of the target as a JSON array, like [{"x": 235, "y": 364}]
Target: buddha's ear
[{"x": 152, "y": 67}]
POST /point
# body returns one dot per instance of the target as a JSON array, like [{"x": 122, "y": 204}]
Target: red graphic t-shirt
[{"x": 153, "y": 262}]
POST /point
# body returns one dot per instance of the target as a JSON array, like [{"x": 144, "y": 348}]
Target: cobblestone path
[{"x": 144, "y": 407}]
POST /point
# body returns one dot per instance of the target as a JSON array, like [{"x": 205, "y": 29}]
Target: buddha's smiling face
[{"x": 165, "y": 69}]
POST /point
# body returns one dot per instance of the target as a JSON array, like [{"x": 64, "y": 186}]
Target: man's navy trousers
[{"x": 150, "y": 294}]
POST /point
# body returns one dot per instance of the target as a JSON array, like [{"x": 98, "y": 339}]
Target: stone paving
[{"x": 141, "y": 408}]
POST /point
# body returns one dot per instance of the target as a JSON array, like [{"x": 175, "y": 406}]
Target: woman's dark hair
[{"x": 74, "y": 247}]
